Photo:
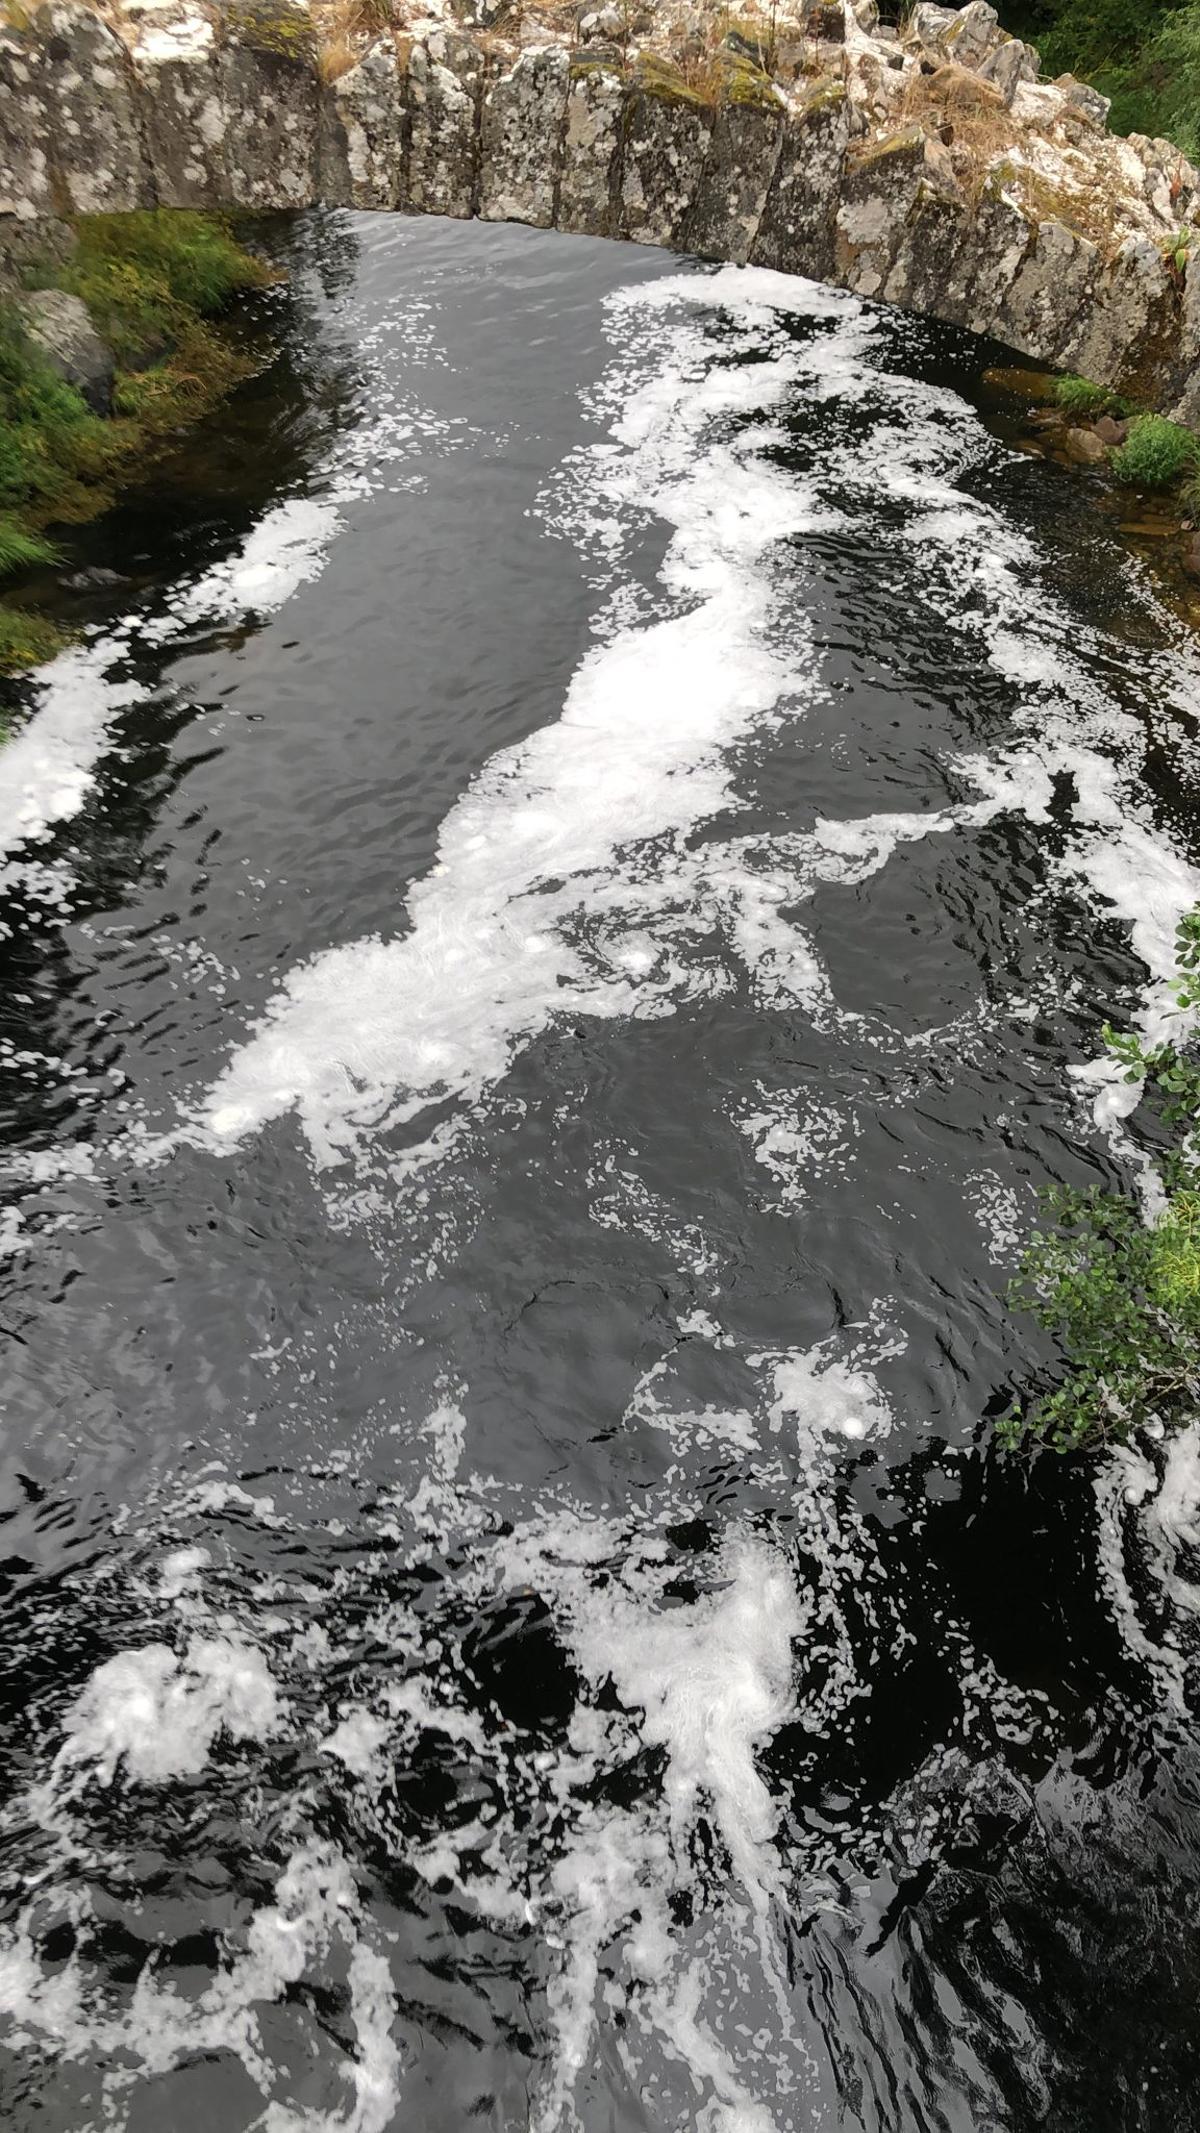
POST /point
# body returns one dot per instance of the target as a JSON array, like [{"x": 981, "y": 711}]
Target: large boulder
[
  {"x": 61, "y": 329},
  {"x": 666, "y": 139},
  {"x": 523, "y": 127},
  {"x": 269, "y": 90},
  {"x": 445, "y": 78},
  {"x": 26, "y": 185},
  {"x": 363, "y": 133},
  {"x": 176, "y": 69},
  {"x": 589, "y": 187},
  {"x": 743, "y": 151},
  {"x": 796, "y": 233},
  {"x": 87, "y": 83}
]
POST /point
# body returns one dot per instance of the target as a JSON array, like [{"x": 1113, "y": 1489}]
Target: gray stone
[
  {"x": 26, "y": 189},
  {"x": 25, "y": 243},
  {"x": 666, "y": 137},
  {"x": 268, "y": 86},
  {"x": 591, "y": 173},
  {"x": 1083, "y": 99},
  {"x": 176, "y": 68},
  {"x": 974, "y": 35},
  {"x": 523, "y": 128},
  {"x": 1009, "y": 65},
  {"x": 444, "y": 81},
  {"x": 796, "y": 233},
  {"x": 742, "y": 154},
  {"x": 87, "y": 81},
  {"x": 1050, "y": 293},
  {"x": 1131, "y": 311},
  {"x": 879, "y": 187},
  {"x": 363, "y": 129},
  {"x": 61, "y": 328}
]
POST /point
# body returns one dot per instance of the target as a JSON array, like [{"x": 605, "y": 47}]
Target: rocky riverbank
[{"x": 929, "y": 168}]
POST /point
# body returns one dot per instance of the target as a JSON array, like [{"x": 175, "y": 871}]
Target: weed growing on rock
[
  {"x": 1123, "y": 1294},
  {"x": 1156, "y": 454}
]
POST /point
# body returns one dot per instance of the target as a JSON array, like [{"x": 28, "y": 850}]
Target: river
[{"x": 554, "y": 927}]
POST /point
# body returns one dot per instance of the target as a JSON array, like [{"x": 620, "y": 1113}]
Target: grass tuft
[
  {"x": 20, "y": 549},
  {"x": 1156, "y": 454}
]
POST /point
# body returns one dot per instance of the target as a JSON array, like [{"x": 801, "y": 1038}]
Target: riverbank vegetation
[
  {"x": 154, "y": 284},
  {"x": 1144, "y": 54},
  {"x": 1122, "y": 1292}
]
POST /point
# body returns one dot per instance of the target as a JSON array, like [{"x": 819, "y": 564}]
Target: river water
[{"x": 553, "y": 929}]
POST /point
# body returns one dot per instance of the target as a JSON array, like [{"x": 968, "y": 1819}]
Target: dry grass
[
  {"x": 344, "y": 30},
  {"x": 954, "y": 97}
]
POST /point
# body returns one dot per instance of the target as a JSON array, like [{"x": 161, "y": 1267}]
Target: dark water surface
[{"x": 550, "y": 935}]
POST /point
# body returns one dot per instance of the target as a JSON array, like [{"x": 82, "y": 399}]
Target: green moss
[
  {"x": 275, "y": 27},
  {"x": 1156, "y": 454},
  {"x": 911, "y": 142},
  {"x": 824, "y": 96},
  {"x": 1081, "y": 398},
  {"x": 27, "y": 640},
  {"x": 750, "y": 87},
  {"x": 657, "y": 77},
  {"x": 146, "y": 276}
]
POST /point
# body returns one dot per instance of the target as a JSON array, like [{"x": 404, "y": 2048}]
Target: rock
[
  {"x": 524, "y": 124},
  {"x": 973, "y": 35},
  {"x": 1084, "y": 449},
  {"x": 666, "y": 139},
  {"x": 61, "y": 328},
  {"x": 175, "y": 64},
  {"x": 95, "y": 579},
  {"x": 444, "y": 81},
  {"x": 1110, "y": 431},
  {"x": 86, "y": 80},
  {"x": 1131, "y": 308},
  {"x": 1050, "y": 292},
  {"x": 361, "y": 136},
  {"x": 590, "y": 182},
  {"x": 743, "y": 151},
  {"x": 25, "y": 242},
  {"x": 268, "y": 86},
  {"x": 879, "y": 187},
  {"x": 796, "y": 233},
  {"x": 1084, "y": 100},
  {"x": 1191, "y": 556},
  {"x": 1011, "y": 64},
  {"x": 926, "y": 28},
  {"x": 26, "y": 188}
]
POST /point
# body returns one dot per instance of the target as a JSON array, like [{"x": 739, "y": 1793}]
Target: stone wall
[{"x": 930, "y": 169}]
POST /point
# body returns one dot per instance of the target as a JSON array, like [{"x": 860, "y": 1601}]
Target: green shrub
[
  {"x": 1124, "y": 1295},
  {"x": 1156, "y": 454}
]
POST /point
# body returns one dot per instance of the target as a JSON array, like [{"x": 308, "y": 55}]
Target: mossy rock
[
  {"x": 749, "y": 86},
  {"x": 828, "y": 95},
  {"x": 660, "y": 78},
  {"x": 908, "y": 145},
  {"x": 274, "y": 26}
]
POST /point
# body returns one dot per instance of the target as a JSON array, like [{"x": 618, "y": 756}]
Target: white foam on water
[
  {"x": 48, "y": 768},
  {"x": 156, "y": 1715},
  {"x": 1148, "y": 1513}
]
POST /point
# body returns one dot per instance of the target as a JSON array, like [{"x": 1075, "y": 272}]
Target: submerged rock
[
  {"x": 61, "y": 328},
  {"x": 1084, "y": 448}
]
